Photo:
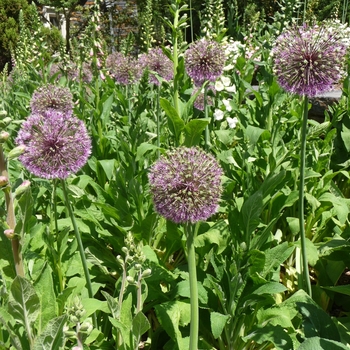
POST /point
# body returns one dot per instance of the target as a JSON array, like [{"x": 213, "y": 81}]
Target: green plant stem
[
  {"x": 206, "y": 131},
  {"x": 305, "y": 268},
  {"x": 191, "y": 21},
  {"x": 11, "y": 218},
  {"x": 175, "y": 57},
  {"x": 80, "y": 246},
  {"x": 191, "y": 233},
  {"x": 158, "y": 121}
]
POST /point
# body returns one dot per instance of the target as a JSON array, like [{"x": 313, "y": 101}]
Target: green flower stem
[
  {"x": 191, "y": 233},
  {"x": 206, "y": 131},
  {"x": 11, "y": 218},
  {"x": 80, "y": 246},
  {"x": 158, "y": 121},
  {"x": 305, "y": 268},
  {"x": 175, "y": 56}
]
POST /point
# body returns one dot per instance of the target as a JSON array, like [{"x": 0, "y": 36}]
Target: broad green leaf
[
  {"x": 276, "y": 256},
  {"x": 273, "y": 334},
  {"x": 193, "y": 131},
  {"x": 6, "y": 320},
  {"x": 345, "y": 135},
  {"x": 316, "y": 343},
  {"x": 143, "y": 149},
  {"x": 340, "y": 205},
  {"x": 108, "y": 165},
  {"x": 342, "y": 289},
  {"x": 280, "y": 315},
  {"x": 112, "y": 304},
  {"x": 53, "y": 336},
  {"x": 217, "y": 323},
  {"x": 140, "y": 325},
  {"x": 212, "y": 236},
  {"x": 176, "y": 124},
  {"x": 311, "y": 251},
  {"x": 251, "y": 211},
  {"x": 183, "y": 289},
  {"x": 44, "y": 287},
  {"x": 253, "y": 134},
  {"x": 270, "y": 288},
  {"x": 171, "y": 315},
  {"x": 24, "y": 303},
  {"x": 225, "y": 136},
  {"x": 124, "y": 331},
  {"x": 91, "y": 305}
]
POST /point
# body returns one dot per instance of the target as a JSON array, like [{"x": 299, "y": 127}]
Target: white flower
[
  {"x": 231, "y": 88},
  {"x": 219, "y": 86},
  {"x": 218, "y": 114},
  {"x": 226, "y": 80},
  {"x": 232, "y": 122},
  {"x": 227, "y": 105}
]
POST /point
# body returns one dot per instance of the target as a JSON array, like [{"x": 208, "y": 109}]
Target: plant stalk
[
  {"x": 80, "y": 246},
  {"x": 11, "y": 218},
  {"x": 191, "y": 233},
  {"x": 305, "y": 267}
]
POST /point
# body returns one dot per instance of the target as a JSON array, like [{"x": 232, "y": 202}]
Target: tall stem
[
  {"x": 11, "y": 219},
  {"x": 176, "y": 58},
  {"x": 191, "y": 233},
  {"x": 158, "y": 121},
  {"x": 80, "y": 246},
  {"x": 305, "y": 268},
  {"x": 206, "y": 131}
]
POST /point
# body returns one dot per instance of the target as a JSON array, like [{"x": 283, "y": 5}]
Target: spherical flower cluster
[
  {"x": 186, "y": 185},
  {"x": 308, "y": 60},
  {"x": 199, "y": 101},
  {"x": 155, "y": 61},
  {"x": 204, "y": 60},
  {"x": 56, "y": 144},
  {"x": 124, "y": 69},
  {"x": 52, "y": 97}
]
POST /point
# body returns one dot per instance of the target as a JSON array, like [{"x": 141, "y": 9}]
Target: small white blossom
[
  {"x": 232, "y": 122},
  {"x": 227, "y": 105},
  {"x": 218, "y": 114},
  {"x": 219, "y": 86}
]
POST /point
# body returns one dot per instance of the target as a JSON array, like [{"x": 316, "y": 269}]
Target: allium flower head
[
  {"x": 308, "y": 60},
  {"x": 186, "y": 185},
  {"x": 124, "y": 69},
  {"x": 56, "y": 144},
  {"x": 204, "y": 60},
  {"x": 156, "y": 61},
  {"x": 52, "y": 97},
  {"x": 199, "y": 101}
]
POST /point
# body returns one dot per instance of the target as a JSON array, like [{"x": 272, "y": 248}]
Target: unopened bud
[
  {"x": 138, "y": 267},
  {"x": 22, "y": 188},
  {"x": 3, "y": 114},
  {"x": 130, "y": 280},
  {"x": 146, "y": 273},
  {"x": 4, "y": 135},
  {"x": 16, "y": 152},
  {"x": 4, "y": 181},
  {"x": 4, "y": 122},
  {"x": 9, "y": 233}
]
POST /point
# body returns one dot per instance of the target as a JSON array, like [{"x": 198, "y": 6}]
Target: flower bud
[
  {"x": 16, "y": 152},
  {"x": 138, "y": 267},
  {"x": 130, "y": 280},
  {"x": 3, "y": 114},
  {"x": 4, "y": 135},
  {"x": 146, "y": 273},
  {"x": 9, "y": 233},
  {"x": 4, "y": 181},
  {"x": 22, "y": 188},
  {"x": 5, "y": 122}
]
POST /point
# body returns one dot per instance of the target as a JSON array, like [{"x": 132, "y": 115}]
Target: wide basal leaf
[
  {"x": 316, "y": 343},
  {"x": 24, "y": 303},
  {"x": 217, "y": 323},
  {"x": 53, "y": 336},
  {"x": 140, "y": 325}
]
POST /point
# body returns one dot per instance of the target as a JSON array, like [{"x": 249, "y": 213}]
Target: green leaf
[
  {"x": 251, "y": 211},
  {"x": 183, "y": 289},
  {"x": 270, "y": 288},
  {"x": 112, "y": 304},
  {"x": 91, "y": 305},
  {"x": 217, "y": 323},
  {"x": 316, "y": 343},
  {"x": 193, "y": 131},
  {"x": 108, "y": 165},
  {"x": 175, "y": 123},
  {"x": 144, "y": 148},
  {"x": 171, "y": 315},
  {"x": 140, "y": 325},
  {"x": 342, "y": 289},
  {"x": 24, "y": 303},
  {"x": 44, "y": 287},
  {"x": 273, "y": 334},
  {"x": 253, "y": 134},
  {"x": 53, "y": 336}
]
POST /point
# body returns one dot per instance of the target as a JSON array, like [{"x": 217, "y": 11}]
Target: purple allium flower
[
  {"x": 156, "y": 61},
  {"x": 124, "y": 69},
  {"x": 199, "y": 101},
  {"x": 186, "y": 185},
  {"x": 204, "y": 60},
  {"x": 56, "y": 144},
  {"x": 52, "y": 97},
  {"x": 308, "y": 60}
]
